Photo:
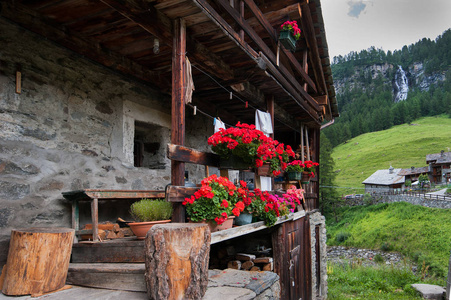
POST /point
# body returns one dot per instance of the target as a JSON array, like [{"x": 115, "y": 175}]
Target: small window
[{"x": 149, "y": 145}]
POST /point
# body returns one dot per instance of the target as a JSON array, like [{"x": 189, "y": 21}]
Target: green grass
[
  {"x": 420, "y": 233},
  {"x": 353, "y": 281},
  {"x": 401, "y": 146}
]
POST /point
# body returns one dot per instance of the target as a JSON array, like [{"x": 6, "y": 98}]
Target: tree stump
[
  {"x": 177, "y": 257},
  {"x": 38, "y": 260}
]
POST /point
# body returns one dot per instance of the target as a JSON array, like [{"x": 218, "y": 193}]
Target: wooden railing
[{"x": 417, "y": 194}]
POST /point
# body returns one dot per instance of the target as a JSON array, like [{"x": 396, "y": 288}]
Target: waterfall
[{"x": 401, "y": 85}]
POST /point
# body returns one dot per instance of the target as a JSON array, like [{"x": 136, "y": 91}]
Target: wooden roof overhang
[{"x": 232, "y": 46}]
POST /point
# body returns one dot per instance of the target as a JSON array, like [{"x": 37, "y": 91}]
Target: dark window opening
[{"x": 149, "y": 141}]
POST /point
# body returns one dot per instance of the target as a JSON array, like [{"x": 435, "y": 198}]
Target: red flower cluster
[
  {"x": 299, "y": 166},
  {"x": 293, "y": 27},
  {"x": 215, "y": 200},
  {"x": 252, "y": 146}
]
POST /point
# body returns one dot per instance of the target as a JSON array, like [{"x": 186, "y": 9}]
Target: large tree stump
[
  {"x": 177, "y": 261},
  {"x": 38, "y": 260}
]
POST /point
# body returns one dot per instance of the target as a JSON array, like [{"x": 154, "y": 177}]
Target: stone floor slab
[{"x": 429, "y": 291}]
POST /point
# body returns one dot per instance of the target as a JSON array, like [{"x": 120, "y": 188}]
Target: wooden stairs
[{"x": 112, "y": 264}]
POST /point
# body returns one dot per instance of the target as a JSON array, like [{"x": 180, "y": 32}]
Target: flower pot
[
  {"x": 234, "y": 162},
  {"x": 140, "y": 228},
  {"x": 264, "y": 170},
  {"x": 243, "y": 219},
  {"x": 215, "y": 226},
  {"x": 287, "y": 39},
  {"x": 294, "y": 175},
  {"x": 305, "y": 177}
]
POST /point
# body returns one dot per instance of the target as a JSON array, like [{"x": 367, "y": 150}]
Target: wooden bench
[{"x": 94, "y": 195}]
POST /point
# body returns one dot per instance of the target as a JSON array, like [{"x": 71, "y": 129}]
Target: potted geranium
[
  {"x": 289, "y": 34},
  {"x": 303, "y": 171},
  {"x": 148, "y": 213},
  {"x": 251, "y": 146},
  {"x": 309, "y": 171},
  {"x": 214, "y": 203}
]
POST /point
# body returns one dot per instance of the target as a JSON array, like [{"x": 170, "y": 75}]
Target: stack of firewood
[
  {"x": 227, "y": 258},
  {"x": 107, "y": 231},
  {"x": 248, "y": 262}
]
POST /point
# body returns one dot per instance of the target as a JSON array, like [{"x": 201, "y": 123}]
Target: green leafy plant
[
  {"x": 378, "y": 258},
  {"x": 147, "y": 210},
  {"x": 342, "y": 237}
]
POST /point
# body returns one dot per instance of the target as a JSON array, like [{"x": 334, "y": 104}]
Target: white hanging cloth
[
  {"x": 218, "y": 124},
  {"x": 263, "y": 122}
]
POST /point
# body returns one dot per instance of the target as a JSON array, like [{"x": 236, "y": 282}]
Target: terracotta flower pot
[
  {"x": 305, "y": 177},
  {"x": 140, "y": 229},
  {"x": 215, "y": 227},
  {"x": 264, "y": 170}
]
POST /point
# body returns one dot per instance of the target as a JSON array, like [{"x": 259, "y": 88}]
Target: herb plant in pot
[{"x": 148, "y": 213}]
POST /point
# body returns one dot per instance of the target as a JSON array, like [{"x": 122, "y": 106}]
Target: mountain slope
[
  {"x": 376, "y": 90},
  {"x": 401, "y": 146}
]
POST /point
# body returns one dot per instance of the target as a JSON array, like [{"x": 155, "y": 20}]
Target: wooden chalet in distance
[{"x": 93, "y": 91}]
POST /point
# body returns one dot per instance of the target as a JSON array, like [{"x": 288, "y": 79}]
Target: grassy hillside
[
  {"x": 401, "y": 146},
  {"x": 421, "y": 233}
]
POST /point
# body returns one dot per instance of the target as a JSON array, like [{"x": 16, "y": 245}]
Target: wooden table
[{"x": 94, "y": 195}]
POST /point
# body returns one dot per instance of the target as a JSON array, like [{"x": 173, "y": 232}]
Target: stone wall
[
  {"x": 72, "y": 127},
  {"x": 416, "y": 200},
  {"x": 320, "y": 288}
]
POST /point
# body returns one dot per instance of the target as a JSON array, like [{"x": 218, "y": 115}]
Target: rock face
[{"x": 400, "y": 80}]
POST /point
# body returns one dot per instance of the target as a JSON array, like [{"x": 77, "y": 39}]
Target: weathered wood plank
[
  {"x": 190, "y": 155},
  {"x": 127, "y": 277},
  {"x": 179, "y": 193},
  {"x": 125, "y": 250}
]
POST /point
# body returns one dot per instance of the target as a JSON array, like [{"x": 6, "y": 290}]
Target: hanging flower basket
[{"x": 287, "y": 39}]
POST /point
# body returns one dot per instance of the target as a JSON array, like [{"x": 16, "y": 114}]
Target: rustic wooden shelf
[{"x": 234, "y": 232}]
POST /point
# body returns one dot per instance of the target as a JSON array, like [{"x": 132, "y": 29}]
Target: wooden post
[
  {"x": 307, "y": 142},
  {"x": 178, "y": 108},
  {"x": 38, "y": 260},
  {"x": 177, "y": 258},
  {"x": 270, "y": 108},
  {"x": 95, "y": 219},
  {"x": 302, "y": 143},
  {"x": 305, "y": 66}
]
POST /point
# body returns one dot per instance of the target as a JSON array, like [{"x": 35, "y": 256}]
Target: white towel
[
  {"x": 263, "y": 122},
  {"x": 218, "y": 124}
]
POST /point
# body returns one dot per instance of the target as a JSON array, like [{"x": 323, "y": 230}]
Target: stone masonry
[{"x": 72, "y": 127}]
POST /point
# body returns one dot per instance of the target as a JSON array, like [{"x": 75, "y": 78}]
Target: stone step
[
  {"x": 429, "y": 291},
  {"x": 115, "y": 276}
]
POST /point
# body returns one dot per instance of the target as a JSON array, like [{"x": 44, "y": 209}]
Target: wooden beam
[
  {"x": 273, "y": 34},
  {"x": 267, "y": 52},
  {"x": 179, "y": 193},
  {"x": 322, "y": 100},
  {"x": 59, "y": 34},
  {"x": 310, "y": 36},
  {"x": 189, "y": 155},
  {"x": 156, "y": 23},
  {"x": 178, "y": 108},
  {"x": 291, "y": 91},
  {"x": 257, "y": 98}
]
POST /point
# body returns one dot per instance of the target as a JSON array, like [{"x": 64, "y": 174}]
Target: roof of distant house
[
  {"x": 385, "y": 177},
  {"x": 413, "y": 171},
  {"x": 439, "y": 158}
]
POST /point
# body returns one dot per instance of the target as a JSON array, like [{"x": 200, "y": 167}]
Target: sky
[{"x": 355, "y": 25}]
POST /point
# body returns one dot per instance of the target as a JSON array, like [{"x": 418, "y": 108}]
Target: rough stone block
[
  {"x": 429, "y": 291},
  {"x": 13, "y": 191}
]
